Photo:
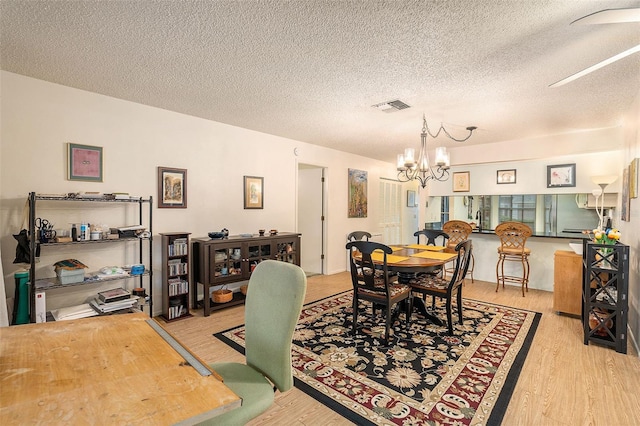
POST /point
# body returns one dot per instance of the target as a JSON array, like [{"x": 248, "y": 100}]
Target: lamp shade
[{"x": 604, "y": 180}]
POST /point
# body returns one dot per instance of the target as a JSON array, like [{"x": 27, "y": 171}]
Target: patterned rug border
[{"x": 500, "y": 406}]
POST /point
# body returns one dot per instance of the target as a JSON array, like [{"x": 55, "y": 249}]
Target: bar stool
[
  {"x": 458, "y": 231},
  {"x": 513, "y": 237}
]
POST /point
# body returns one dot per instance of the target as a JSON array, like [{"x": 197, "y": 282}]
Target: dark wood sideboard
[{"x": 217, "y": 262}]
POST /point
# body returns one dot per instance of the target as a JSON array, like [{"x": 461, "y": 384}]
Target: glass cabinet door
[{"x": 226, "y": 262}]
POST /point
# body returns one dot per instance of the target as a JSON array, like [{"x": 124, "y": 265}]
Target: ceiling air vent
[{"x": 391, "y": 106}]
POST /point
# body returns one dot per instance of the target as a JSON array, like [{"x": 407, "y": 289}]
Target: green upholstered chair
[{"x": 274, "y": 301}]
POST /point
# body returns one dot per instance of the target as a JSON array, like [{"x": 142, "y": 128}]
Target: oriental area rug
[{"x": 424, "y": 376}]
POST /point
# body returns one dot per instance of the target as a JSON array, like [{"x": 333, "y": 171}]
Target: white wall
[
  {"x": 531, "y": 175},
  {"x": 40, "y": 118}
]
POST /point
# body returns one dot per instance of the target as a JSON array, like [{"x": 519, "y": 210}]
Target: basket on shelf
[
  {"x": 222, "y": 296},
  {"x": 243, "y": 289}
]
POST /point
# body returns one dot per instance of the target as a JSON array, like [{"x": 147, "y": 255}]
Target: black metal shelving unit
[
  {"x": 36, "y": 283},
  {"x": 605, "y": 294}
]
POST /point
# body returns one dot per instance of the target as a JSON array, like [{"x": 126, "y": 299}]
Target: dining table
[{"x": 409, "y": 260}]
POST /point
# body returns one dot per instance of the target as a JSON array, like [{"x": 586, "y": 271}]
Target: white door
[
  {"x": 310, "y": 218},
  {"x": 390, "y": 203}
]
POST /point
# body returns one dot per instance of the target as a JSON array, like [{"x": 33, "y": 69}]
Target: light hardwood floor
[{"x": 563, "y": 381}]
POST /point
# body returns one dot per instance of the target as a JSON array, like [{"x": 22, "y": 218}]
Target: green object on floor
[{"x": 21, "y": 303}]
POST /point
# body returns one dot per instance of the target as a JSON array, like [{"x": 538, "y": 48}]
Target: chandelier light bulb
[
  {"x": 424, "y": 163},
  {"x": 409, "y": 154},
  {"x": 442, "y": 156},
  {"x": 400, "y": 163}
]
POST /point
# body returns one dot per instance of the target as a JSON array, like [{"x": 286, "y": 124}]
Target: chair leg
[
  {"x": 500, "y": 260},
  {"x": 355, "y": 315},
  {"x": 524, "y": 275},
  {"x": 409, "y": 310},
  {"x": 473, "y": 263},
  {"x": 459, "y": 301},
  {"x": 388, "y": 327},
  {"x": 449, "y": 322}
]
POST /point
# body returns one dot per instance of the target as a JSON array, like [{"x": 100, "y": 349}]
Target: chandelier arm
[
  {"x": 457, "y": 140},
  {"x": 425, "y": 127}
]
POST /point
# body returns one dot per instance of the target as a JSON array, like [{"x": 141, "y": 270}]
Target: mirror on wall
[{"x": 554, "y": 215}]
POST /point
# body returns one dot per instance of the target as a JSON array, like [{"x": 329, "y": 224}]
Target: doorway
[{"x": 311, "y": 224}]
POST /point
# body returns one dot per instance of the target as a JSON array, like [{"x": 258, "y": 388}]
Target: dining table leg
[{"x": 418, "y": 303}]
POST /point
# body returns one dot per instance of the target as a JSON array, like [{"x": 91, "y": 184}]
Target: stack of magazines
[{"x": 113, "y": 300}]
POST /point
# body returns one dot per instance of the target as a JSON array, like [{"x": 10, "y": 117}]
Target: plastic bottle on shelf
[
  {"x": 74, "y": 232},
  {"x": 84, "y": 232}
]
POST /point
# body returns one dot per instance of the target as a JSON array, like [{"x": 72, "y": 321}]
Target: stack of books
[
  {"x": 177, "y": 267},
  {"x": 177, "y": 286},
  {"x": 113, "y": 300},
  {"x": 179, "y": 247}
]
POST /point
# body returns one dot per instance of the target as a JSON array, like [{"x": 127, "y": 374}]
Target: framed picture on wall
[
  {"x": 358, "y": 203},
  {"x": 625, "y": 207},
  {"x": 84, "y": 162},
  {"x": 633, "y": 178},
  {"x": 172, "y": 188},
  {"x": 461, "y": 182},
  {"x": 561, "y": 175},
  {"x": 411, "y": 198},
  {"x": 253, "y": 192},
  {"x": 506, "y": 176}
]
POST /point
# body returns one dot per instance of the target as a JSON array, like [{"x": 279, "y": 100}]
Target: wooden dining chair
[
  {"x": 458, "y": 231},
  {"x": 358, "y": 235},
  {"x": 445, "y": 288},
  {"x": 433, "y": 237},
  {"x": 373, "y": 287}
]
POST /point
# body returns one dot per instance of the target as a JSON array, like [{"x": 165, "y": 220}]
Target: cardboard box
[{"x": 70, "y": 276}]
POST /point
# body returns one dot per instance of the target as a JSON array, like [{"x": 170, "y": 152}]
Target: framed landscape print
[
  {"x": 253, "y": 192},
  {"x": 561, "y": 175},
  {"x": 506, "y": 176},
  {"x": 172, "y": 188},
  {"x": 357, "y": 193},
  {"x": 461, "y": 182},
  {"x": 84, "y": 162}
]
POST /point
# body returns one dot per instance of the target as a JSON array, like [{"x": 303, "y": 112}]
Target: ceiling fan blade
[
  {"x": 610, "y": 16},
  {"x": 599, "y": 65}
]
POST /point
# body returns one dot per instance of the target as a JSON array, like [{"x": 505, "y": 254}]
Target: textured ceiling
[{"x": 311, "y": 70}]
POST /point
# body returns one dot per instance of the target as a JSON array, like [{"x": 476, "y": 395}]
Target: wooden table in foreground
[{"x": 102, "y": 370}]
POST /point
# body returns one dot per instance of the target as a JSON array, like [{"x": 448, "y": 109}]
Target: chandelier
[{"x": 412, "y": 168}]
